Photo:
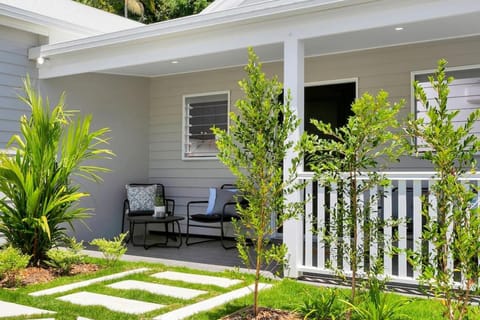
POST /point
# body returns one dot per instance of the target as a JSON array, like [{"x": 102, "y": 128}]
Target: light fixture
[
  {"x": 41, "y": 60},
  {"x": 174, "y": 61},
  {"x": 398, "y": 28}
]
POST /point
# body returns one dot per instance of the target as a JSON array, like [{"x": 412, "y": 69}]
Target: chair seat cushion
[
  {"x": 140, "y": 213},
  {"x": 213, "y": 217}
]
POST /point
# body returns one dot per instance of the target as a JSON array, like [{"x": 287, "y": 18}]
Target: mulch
[
  {"x": 34, "y": 275},
  {"x": 263, "y": 314}
]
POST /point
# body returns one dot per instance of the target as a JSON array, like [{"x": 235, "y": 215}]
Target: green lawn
[{"x": 286, "y": 294}]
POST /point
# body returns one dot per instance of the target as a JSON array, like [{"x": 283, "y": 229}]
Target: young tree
[
  {"x": 40, "y": 195},
  {"x": 455, "y": 231},
  {"x": 253, "y": 149},
  {"x": 339, "y": 160}
]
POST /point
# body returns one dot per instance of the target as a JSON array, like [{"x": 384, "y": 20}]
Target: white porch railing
[{"x": 402, "y": 199}]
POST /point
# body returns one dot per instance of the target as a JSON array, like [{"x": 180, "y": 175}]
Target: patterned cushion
[
  {"x": 218, "y": 198},
  {"x": 141, "y": 197}
]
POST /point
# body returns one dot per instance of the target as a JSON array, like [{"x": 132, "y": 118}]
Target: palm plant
[{"x": 39, "y": 193}]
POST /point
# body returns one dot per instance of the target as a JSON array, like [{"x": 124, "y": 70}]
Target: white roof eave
[
  {"x": 223, "y": 32},
  {"x": 189, "y": 24}
]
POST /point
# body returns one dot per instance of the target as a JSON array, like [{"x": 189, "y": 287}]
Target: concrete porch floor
[{"x": 211, "y": 253}]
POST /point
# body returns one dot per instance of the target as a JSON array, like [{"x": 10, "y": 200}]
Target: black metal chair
[
  {"x": 213, "y": 220},
  {"x": 159, "y": 192}
]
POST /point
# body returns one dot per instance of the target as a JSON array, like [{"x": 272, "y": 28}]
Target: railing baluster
[
  {"x": 308, "y": 225},
  {"x": 402, "y": 229},
  {"x": 346, "y": 231},
  {"x": 333, "y": 225},
  {"x": 432, "y": 213},
  {"x": 417, "y": 221},
  {"x": 373, "y": 228},
  {"x": 387, "y": 215},
  {"x": 320, "y": 220},
  {"x": 360, "y": 225}
]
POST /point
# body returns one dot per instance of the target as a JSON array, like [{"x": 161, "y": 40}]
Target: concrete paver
[
  {"x": 85, "y": 283},
  {"x": 208, "y": 304},
  {"x": 10, "y": 309},
  {"x": 113, "y": 303},
  {"x": 197, "y": 278},
  {"x": 155, "y": 288}
]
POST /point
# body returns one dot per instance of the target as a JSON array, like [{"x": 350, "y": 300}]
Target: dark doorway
[{"x": 330, "y": 103}]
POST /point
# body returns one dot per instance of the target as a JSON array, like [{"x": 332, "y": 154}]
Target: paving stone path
[{"x": 131, "y": 306}]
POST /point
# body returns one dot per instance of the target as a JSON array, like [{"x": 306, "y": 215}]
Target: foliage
[
  {"x": 455, "y": 230},
  {"x": 338, "y": 162},
  {"x": 321, "y": 305},
  {"x": 376, "y": 305},
  {"x": 253, "y": 150},
  {"x": 40, "y": 194},
  {"x": 159, "y": 201},
  {"x": 150, "y": 11},
  {"x": 64, "y": 259},
  {"x": 112, "y": 250},
  {"x": 11, "y": 261}
]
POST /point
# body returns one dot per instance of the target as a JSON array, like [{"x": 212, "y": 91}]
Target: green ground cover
[{"x": 287, "y": 294}]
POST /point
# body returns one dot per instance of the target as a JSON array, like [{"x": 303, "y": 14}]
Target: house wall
[
  {"x": 387, "y": 68},
  {"x": 121, "y": 104},
  {"x": 14, "y": 66}
]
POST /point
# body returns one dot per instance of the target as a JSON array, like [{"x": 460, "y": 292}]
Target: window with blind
[
  {"x": 464, "y": 95},
  {"x": 202, "y": 112}
]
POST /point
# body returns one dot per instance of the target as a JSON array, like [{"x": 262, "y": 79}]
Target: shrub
[
  {"x": 374, "y": 304},
  {"x": 112, "y": 250},
  {"x": 40, "y": 194},
  {"x": 11, "y": 261},
  {"x": 322, "y": 305},
  {"x": 64, "y": 259}
]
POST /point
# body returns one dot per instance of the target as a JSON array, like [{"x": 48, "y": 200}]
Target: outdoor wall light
[
  {"x": 174, "y": 61},
  {"x": 41, "y": 60},
  {"x": 399, "y": 28}
]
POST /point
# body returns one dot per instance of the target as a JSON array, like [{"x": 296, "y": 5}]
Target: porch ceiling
[{"x": 349, "y": 25}]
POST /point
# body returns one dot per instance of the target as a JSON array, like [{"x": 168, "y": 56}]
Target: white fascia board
[
  {"x": 196, "y": 23},
  {"x": 165, "y": 45}
]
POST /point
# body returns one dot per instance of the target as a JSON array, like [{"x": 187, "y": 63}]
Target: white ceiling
[{"x": 425, "y": 31}]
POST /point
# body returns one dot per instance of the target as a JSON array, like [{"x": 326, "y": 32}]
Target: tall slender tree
[{"x": 253, "y": 149}]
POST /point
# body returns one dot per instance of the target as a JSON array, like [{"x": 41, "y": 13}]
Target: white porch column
[{"x": 294, "y": 82}]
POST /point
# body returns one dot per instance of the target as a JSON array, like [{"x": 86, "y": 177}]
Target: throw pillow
[
  {"x": 141, "y": 198},
  {"x": 218, "y": 198}
]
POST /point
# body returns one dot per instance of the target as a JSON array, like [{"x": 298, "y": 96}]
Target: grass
[{"x": 287, "y": 294}]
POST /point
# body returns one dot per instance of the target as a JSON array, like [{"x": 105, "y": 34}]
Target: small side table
[{"x": 146, "y": 220}]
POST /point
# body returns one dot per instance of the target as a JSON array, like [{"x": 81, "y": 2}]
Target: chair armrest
[
  {"x": 170, "y": 204},
  {"x": 126, "y": 207},
  {"x": 194, "y": 202}
]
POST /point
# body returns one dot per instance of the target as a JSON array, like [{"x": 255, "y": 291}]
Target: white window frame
[
  {"x": 415, "y": 74},
  {"x": 185, "y": 139}
]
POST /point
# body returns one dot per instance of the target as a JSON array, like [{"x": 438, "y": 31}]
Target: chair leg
[{"x": 222, "y": 236}]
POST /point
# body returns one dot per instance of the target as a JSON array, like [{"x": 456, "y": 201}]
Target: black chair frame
[
  {"x": 207, "y": 219},
  {"x": 160, "y": 190}
]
